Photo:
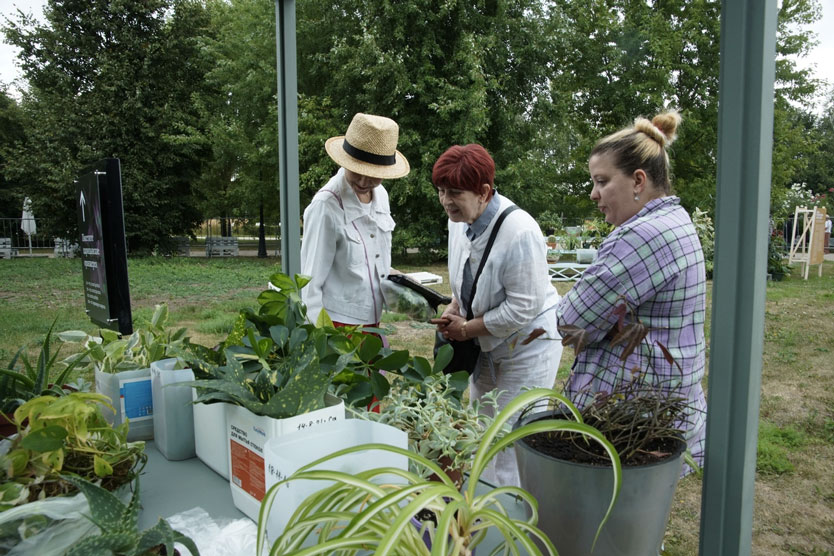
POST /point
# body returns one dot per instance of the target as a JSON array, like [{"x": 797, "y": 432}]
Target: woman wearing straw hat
[{"x": 347, "y": 226}]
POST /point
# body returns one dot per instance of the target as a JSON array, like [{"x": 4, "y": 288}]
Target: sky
[{"x": 820, "y": 57}]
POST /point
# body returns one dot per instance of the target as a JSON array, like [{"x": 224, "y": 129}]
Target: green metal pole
[
  {"x": 745, "y": 131},
  {"x": 288, "y": 137}
]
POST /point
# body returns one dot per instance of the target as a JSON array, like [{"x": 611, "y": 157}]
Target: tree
[
  {"x": 449, "y": 72},
  {"x": 240, "y": 178},
  {"x": 113, "y": 79},
  {"x": 796, "y": 139},
  {"x": 12, "y": 136}
]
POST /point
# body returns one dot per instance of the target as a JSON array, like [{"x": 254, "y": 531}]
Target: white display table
[{"x": 172, "y": 487}]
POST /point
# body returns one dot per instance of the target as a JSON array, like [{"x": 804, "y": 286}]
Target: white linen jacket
[
  {"x": 514, "y": 289},
  {"x": 347, "y": 251}
]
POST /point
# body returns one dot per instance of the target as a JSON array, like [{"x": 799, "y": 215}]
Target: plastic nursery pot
[{"x": 574, "y": 497}]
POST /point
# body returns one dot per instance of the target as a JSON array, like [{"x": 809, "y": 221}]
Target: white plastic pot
[
  {"x": 247, "y": 435},
  {"x": 173, "y": 422},
  {"x": 285, "y": 454},
  {"x": 211, "y": 442},
  {"x": 131, "y": 397}
]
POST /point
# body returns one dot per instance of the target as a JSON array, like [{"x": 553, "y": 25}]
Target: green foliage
[
  {"x": 12, "y": 125},
  {"x": 68, "y": 434},
  {"x": 119, "y": 525},
  {"x": 45, "y": 377},
  {"x": 439, "y": 426},
  {"x": 706, "y": 234},
  {"x": 352, "y": 514},
  {"x": 774, "y": 447},
  {"x": 150, "y": 341},
  {"x": 276, "y": 363},
  {"x": 100, "y": 85},
  {"x": 776, "y": 250},
  {"x": 594, "y": 231},
  {"x": 238, "y": 112}
]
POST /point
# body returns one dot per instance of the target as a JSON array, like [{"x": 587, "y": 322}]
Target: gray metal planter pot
[{"x": 573, "y": 499}]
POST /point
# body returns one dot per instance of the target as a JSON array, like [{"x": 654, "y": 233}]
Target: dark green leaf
[
  {"x": 369, "y": 348},
  {"x": 443, "y": 357},
  {"x": 393, "y": 361},
  {"x": 47, "y": 439}
]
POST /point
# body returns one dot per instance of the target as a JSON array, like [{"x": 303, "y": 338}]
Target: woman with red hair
[{"x": 514, "y": 295}]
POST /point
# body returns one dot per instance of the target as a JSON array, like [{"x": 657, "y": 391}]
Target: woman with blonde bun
[{"x": 653, "y": 260}]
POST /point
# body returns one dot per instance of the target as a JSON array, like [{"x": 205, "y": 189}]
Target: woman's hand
[{"x": 452, "y": 327}]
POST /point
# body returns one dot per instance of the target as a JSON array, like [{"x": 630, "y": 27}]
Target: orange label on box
[{"x": 248, "y": 470}]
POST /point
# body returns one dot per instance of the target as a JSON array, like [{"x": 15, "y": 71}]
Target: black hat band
[{"x": 370, "y": 158}]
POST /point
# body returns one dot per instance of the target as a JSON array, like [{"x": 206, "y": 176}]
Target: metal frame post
[
  {"x": 288, "y": 137},
  {"x": 745, "y": 141}
]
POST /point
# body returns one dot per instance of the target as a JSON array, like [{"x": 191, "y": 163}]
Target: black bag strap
[{"x": 487, "y": 249}]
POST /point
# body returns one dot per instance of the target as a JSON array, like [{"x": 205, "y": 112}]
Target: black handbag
[{"x": 466, "y": 352}]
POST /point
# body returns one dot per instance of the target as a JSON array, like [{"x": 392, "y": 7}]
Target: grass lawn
[{"x": 794, "y": 495}]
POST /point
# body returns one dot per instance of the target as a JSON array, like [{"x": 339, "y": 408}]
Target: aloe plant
[
  {"x": 119, "y": 525},
  {"x": 353, "y": 514},
  {"x": 23, "y": 380}
]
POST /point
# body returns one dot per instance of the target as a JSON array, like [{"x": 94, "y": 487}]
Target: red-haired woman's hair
[{"x": 465, "y": 167}]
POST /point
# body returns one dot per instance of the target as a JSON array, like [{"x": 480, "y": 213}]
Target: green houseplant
[
  {"x": 58, "y": 436},
  {"x": 122, "y": 366},
  {"x": 777, "y": 266},
  {"x": 119, "y": 527},
  {"x": 23, "y": 380},
  {"x": 644, "y": 418},
  {"x": 706, "y": 234},
  {"x": 439, "y": 426},
  {"x": 66, "y": 434},
  {"x": 354, "y": 514}
]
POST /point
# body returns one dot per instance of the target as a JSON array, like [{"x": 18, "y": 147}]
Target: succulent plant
[
  {"x": 439, "y": 426},
  {"x": 23, "y": 380},
  {"x": 119, "y": 525}
]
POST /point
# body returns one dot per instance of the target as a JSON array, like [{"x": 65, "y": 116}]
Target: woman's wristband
[{"x": 463, "y": 329}]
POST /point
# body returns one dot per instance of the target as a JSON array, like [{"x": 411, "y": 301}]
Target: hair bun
[
  {"x": 667, "y": 123},
  {"x": 662, "y": 128}
]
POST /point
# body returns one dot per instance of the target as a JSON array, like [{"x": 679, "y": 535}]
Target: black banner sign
[{"x": 103, "y": 248}]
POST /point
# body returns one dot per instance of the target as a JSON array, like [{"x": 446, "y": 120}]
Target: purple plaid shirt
[{"x": 655, "y": 260}]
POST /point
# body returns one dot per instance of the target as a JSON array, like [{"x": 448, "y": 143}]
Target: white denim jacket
[
  {"x": 514, "y": 289},
  {"x": 347, "y": 251}
]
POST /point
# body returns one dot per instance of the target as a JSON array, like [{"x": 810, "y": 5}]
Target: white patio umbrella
[{"x": 27, "y": 221}]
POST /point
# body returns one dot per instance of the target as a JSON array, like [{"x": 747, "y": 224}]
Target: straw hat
[{"x": 369, "y": 148}]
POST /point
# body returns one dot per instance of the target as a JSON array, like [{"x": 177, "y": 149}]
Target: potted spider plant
[{"x": 353, "y": 514}]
